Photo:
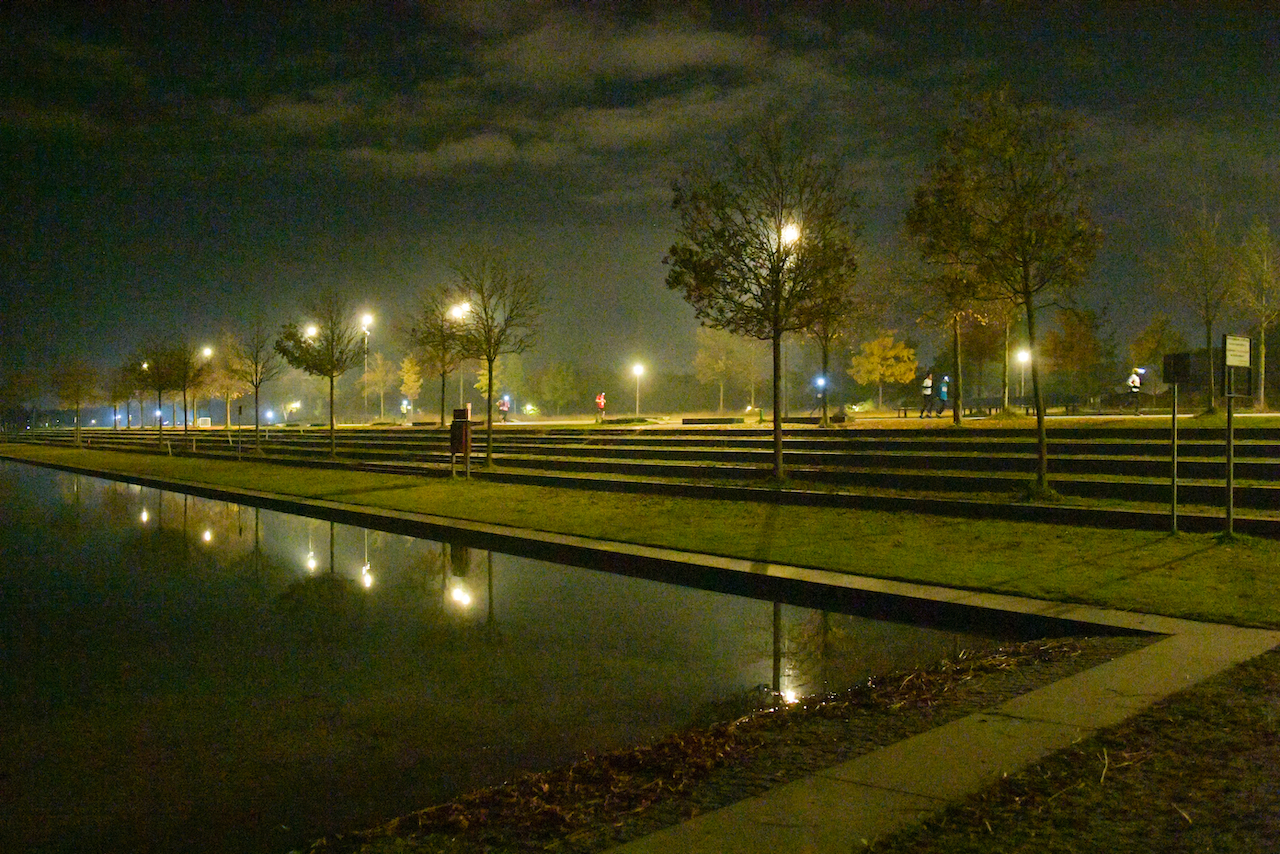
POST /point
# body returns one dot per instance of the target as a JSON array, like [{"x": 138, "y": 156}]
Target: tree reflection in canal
[{"x": 181, "y": 674}]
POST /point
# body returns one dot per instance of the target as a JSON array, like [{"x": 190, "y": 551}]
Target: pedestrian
[
  {"x": 504, "y": 406},
  {"x": 942, "y": 395},
  {"x": 926, "y": 395},
  {"x": 1135, "y": 390},
  {"x": 600, "y": 407}
]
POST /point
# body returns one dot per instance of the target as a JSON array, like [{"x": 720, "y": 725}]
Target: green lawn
[{"x": 1186, "y": 575}]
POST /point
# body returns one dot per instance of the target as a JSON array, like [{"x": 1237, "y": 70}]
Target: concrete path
[{"x": 843, "y": 808}]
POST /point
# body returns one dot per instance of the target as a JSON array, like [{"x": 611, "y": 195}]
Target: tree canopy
[
  {"x": 761, "y": 235},
  {"x": 1003, "y": 210}
]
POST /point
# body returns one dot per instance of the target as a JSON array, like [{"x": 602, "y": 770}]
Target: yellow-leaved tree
[{"x": 882, "y": 360}]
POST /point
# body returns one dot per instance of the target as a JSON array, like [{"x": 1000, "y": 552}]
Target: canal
[{"x": 184, "y": 674}]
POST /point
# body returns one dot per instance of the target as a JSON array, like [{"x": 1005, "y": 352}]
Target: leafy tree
[
  {"x": 883, "y": 360},
  {"x": 436, "y": 329},
  {"x": 121, "y": 386},
  {"x": 508, "y": 377},
  {"x": 840, "y": 307},
  {"x": 1158, "y": 339},
  {"x": 1256, "y": 291},
  {"x": 160, "y": 370},
  {"x": 329, "y": 348},
  {"x": 380, "y": 378},
  {"x": 410, "y": 381},
  {"x": 505, "y": 310},
  {"x": 759, "y": 241},
  {"x": 952, "y": 303},
  {"x": 223, "y": 379},
  {"x": 75, "y": 382},
  {"x": 1004, "y": 209},
  {"x": 715, "y": 359},
  {"x": 1077, "y": 351},
  {"x": 18, "y": 393},
  {"x": 255, "y": 362},
  {"x": 1201, "y": 271},
  {"x": 557, "y": 385}
]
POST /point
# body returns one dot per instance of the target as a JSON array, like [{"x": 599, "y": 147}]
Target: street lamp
[
  {"x": 1024, "y": 356},
  {"x": 365, "y": 322},
  {"x": 638, "y": 370},
  {"x": 459, "y": 313}
]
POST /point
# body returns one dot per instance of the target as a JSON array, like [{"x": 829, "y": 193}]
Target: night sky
[{"x": 179, "y": 167}]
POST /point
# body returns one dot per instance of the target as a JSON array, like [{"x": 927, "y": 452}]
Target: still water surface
[{"x": 180, "y": 674}]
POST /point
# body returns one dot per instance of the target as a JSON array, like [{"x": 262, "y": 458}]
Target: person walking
[
  {"x": 1135, "y": 390},
  {"x": 926, "y": 395},
  {"x": 504, "y": 407},
  {"x": 600, "y": 407},
  {"x": 942, "y": 396}
]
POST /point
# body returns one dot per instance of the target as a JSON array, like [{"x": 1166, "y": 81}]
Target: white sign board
[{"x": 1236, "y": 351}]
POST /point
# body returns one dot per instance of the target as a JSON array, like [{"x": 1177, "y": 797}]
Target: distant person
[
  {"x": 926, "y": 395},
  {"x": 600, "y": 407},
  {"x": 504, "y": 406},
  {"x": 942, "y": 396},
  {"x": 1135, "y": 390}
]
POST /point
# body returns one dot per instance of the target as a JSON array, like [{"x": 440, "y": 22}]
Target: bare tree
[
  {"x": 328, "y": 347},
  {"x": 759, "y": 240},
  {"x": 255, "y": 362},
  {"x": 505, "y": 309},
  {"x": 1256, "y": 291},
  {"x": 1201, "y": 271},
  {"x": 436, "y": 329}
]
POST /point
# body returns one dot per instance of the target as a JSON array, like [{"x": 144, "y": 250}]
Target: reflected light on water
[
  {"x": 144, "y": 516},
  {"x": 365, "y": 578},
  {"x": 460, "y": 595},
  {"x": 311, "y": 561},
  {"x": 207, "y": 536}
]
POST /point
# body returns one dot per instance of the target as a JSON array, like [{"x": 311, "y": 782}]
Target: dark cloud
[{"x": 171, "y": 166}]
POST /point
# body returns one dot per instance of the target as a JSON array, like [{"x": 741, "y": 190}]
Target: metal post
[
  {"x": 1173, "y": 485},
  {"x": 1231, "y": 459}
]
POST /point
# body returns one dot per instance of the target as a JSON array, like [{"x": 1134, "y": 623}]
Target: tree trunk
[
  {"x": 488, "y": 445},
  {"x": 185, "y": 419},
  {"x": 1262, "y": 367},
  {"x": 159, "y": 419},
  {"x": 1208, "y": 360},
  {"x": 444, "y": 375},
  {"x": 956, "y": 388},
  {"x": 1042, "y": 438},
  {"x": 779, "y": 470},
  {"x": 1004, "y": 373},
  {"x": 333, "y": 434},
  {"x": 826, "y": 359},
  {"x": 257, "y": 445}
]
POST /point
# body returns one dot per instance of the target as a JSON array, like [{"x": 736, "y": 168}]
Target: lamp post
[
  {"x": 365, "y": 322},
  {"x": 638, "y": 370},
  {"x": 1024, "y": 356},
  {"x": 459, "y": 313}
]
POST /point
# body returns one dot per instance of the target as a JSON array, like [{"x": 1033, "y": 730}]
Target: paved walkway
[{"x": 844, "y": 807}]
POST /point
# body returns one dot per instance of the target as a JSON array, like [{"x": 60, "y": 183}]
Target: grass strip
[{"x": 1185, "y": 575}]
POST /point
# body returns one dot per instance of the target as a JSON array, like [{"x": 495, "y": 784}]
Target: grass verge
[{"x": 1194, "y": 773}]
